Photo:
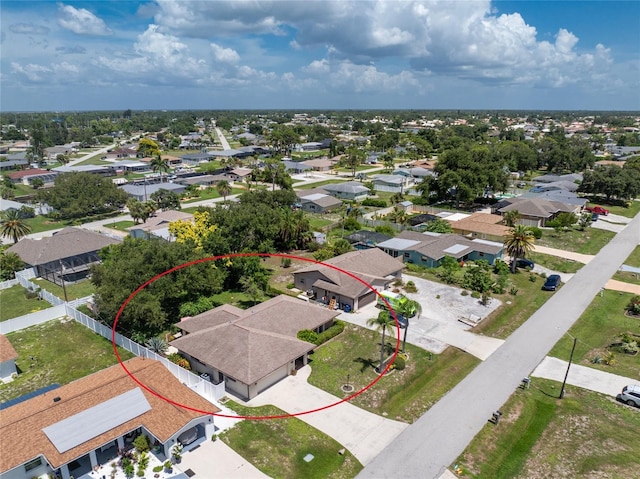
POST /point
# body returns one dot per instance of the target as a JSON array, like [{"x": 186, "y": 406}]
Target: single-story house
[
  {"x": 10, "y": 205},
  {"x": 351, "y": 190},
  {"x": 130, "y": 166},
  {"x": 561, "y": 196},
  {"x": 26, "y": 177},
  {"x": 52, "y": 152},
  {"x": 390, "y": 183},
  {"x": 239, "y": 174},
  {"x": 371, "y": 266},
  {"x": 295, "y": 167},
  {"x": 481, "y": 225},
  {"x": 319, "y": 203},
  {"x": 247, "y": 136},
  {"x": 417, "y": 173},
  {"x": 428, "y": 249},
  {"x": 158, "y": 225},
  {"x": 70, "y": 430},
  {"x": 556, "y": 185},
  {"x": 144, "y": 191},
  {"x": 552, "y": 178},
  {"x": 102, "y": 170},
  {"x": 15, "y": 161},
  {"x": 250, "y": 350},
  {"x": 121, "y": 153},
  {"x": 320, "y": 164},
  {"x": 200, "y": 180},
  {"x": 8, "y": 356},
  {"x": 365, "y": 239},
  {"x": 534, "y": 211},
  {"x": 194, "y": 159},
  {"x": 65, "y": 256}
]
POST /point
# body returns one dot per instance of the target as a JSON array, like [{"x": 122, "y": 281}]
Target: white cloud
[
  {"x": 28, "y": 29},
  {"x": 31, "y": 72},
  {"x": 81, "y": 21},
  {"x": 224, "y": 55}
]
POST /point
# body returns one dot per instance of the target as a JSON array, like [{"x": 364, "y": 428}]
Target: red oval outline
[{"x": 261, "y": 255}]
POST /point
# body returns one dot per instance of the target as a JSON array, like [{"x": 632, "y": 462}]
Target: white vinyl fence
[
  {"x": 208, "y": 390},
  {"x": 31, "y": 319},
  {"x": 9, "y": 284}
]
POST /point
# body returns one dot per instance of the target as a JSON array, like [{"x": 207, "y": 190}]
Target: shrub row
[
  {"x": 374, "y": 203},
  {"x": 317, "y": 339}
]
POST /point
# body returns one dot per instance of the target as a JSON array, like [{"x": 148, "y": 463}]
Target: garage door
[
  {"x": 368, "y": 298},
  {"x": 272, "y": 378}
]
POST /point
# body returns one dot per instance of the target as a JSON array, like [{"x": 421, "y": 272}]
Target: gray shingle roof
[
  {"x": 63, "y": 244},
  {"x": 349, "y": 187}
]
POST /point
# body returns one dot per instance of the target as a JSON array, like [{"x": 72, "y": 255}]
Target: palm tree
[
  {"x": 510, "y": 218},
  {"x": 408, "y": 309},
  {"x": 518, "y": 243},
  {"x": 224, "y": 188},
  {"x": 159, "y": 165},
  {"x": 382, "y": 322},
  {"x": 13, "y": 225}
]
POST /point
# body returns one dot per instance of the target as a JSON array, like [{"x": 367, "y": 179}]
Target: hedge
[
  {"x": 375, "y": 203},
  {"x": 323, "y": 337}
]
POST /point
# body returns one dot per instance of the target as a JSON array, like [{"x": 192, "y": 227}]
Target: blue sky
[{"x": 304, "y": 54}]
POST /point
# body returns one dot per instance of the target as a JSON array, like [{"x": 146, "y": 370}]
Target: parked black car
[
  {"x": 552, "y": 283},
  {"x": 524, "y": 263}
]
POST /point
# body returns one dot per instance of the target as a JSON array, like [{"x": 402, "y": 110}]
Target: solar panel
[{"x": 92, "y": 422}]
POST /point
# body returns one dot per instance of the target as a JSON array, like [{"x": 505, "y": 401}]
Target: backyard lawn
[
  {"x": 58, "y": 351},
  {"x": 81, "y": 289},
  {"x": 589, "y": 241},
  {"x": 317, "y": 184},
  {"x": 211, "y": 193},
  {"x": 278, "y": 446},
  {"x": 402, "y": 395},
  {"x": 13, "y": 303},
  {"x": 585, "y": 435},
  {"x": 120, "y": 225},
  {"x": 599, "y": 326}
]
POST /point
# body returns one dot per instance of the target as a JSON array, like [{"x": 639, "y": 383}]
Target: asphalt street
[{"x": 431, "y": 444}]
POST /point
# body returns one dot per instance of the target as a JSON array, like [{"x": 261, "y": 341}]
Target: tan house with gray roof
[
  {"x": 250, "y": 350},
  {"x": 481, "y": 225},
  {"x": 366, "y": 269},
  {"x": 73, "y": 429}
]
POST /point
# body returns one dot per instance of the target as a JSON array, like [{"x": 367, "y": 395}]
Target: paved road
[
  {"x": 223, "y": 140},
  {"x": 432, "y": 443}
]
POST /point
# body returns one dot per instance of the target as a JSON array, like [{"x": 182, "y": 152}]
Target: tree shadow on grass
[{"x": 366, "y": 363}]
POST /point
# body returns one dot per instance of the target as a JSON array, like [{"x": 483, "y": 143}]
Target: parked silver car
[{"x": 631, "y": 395}]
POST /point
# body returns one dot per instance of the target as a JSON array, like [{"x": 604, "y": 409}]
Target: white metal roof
[
  {"x": 455, "y": 249},
  {"x": 398, "y": 244},
  {"x": 92, "y": 422}
]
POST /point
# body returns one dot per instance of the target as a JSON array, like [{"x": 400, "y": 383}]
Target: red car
[{"x": 597, "y": 209}]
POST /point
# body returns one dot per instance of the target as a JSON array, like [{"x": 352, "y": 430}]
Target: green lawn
[
  {"x": 317, "y": 222},
  {"x": 13, "y": 303},
  {"x": 589, "y": 241},
  {"x": 120, "y": 225},
  {"x": 555, "y": 263},
  {"x": 211, "y": 193},
  {"x": 317, "y": 184},
  {"x": 278, "y": 446},
  {"x": 634, "y": 258},
  {"x": 585, "y": 435},
  {"x": 62, "y": 351},
  {"x": 629, "y": 211},
  {"x": 627, "y": 277},
  {"x": 598, "y": 327},
  {"x": 74, "y": 291},
  {"x": 95, "y": 160},
  {"x": 403, "y": 395}
]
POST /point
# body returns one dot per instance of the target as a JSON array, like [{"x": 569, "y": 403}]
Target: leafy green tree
[
  {"x": 353, "y": 158},
  {"x": 387, "y": 160},
  {"x": 251, "y": 288},
  {"x": 563, "y": 221},
  {"x": 13, "y": 225},
  {"x": 126, "y": 266},
  {"x": 449, "y": 269},
  {"x": 477, "y": 277},
  {"x": 137, "y": 210},
  {"x": 518, "y": 243},
  {"x": 439, "y": 225},
  {"x": 148, "y": 148},
  {"x": 37, "y": 183},
  {"x": 76, "y": 195},
  {"x": 224, "y": 188},
  {"x": 7, "y": 193},
  {"x": 166, "y": 200}
]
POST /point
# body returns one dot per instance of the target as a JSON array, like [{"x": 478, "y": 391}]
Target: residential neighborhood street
[{"x": 431, "y": 444}]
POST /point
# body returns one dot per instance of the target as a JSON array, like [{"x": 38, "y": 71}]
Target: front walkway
[{"x": 363, "y": 433}]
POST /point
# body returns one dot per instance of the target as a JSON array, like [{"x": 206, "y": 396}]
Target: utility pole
[{"x": 573, "y": 348}]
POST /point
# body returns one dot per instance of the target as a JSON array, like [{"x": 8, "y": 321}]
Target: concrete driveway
[
  {"x": 363, "y": 433},
  {"x": 439, "y": 324},
  {"x": 216, "y": 460}
]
